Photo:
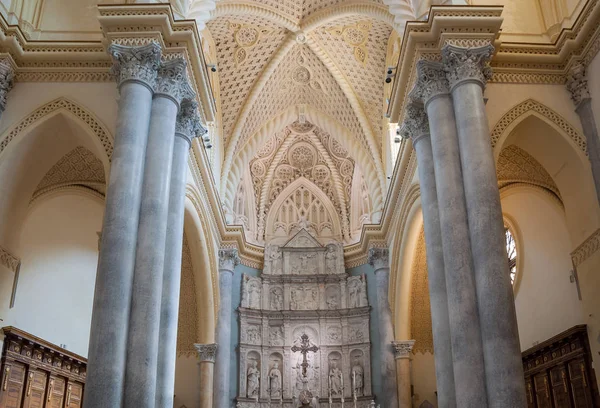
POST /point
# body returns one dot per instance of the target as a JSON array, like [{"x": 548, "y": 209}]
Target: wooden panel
[
  {"x": 530, "y": 393},
  {"x": 560, "y": 388},
  {"x": 542, "y": 391},
  {"x": 11, "y": 391},
  {"x": 74, "y": 395},
  {"x": 56, "y": 392},
  {"x": 35, "y": 389},
  {"x": 580, "y": 387}
]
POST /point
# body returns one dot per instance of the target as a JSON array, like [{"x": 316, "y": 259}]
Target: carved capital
[
  {"x": 416, "y": 123},
  {"x": 577, "y": 84},
  {"x": 188, "y": 121},
  {"x": 379, "y": 258},
  {"x": 139, "y": 64},
  {"x": 402, "y": 349},
  {"x": 467, "y": 64},
  {"x": 172, "y": 81},
  {"x": 431, "y": 81},
  {"x": 206, "y": 352},
  {"x": 228, "y": 259},
  {"x": 7, "y": 76},
  {"x": 9, "y": 260}
]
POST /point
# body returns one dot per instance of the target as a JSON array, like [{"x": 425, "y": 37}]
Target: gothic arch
[
  {"x": 255, "y": 10},
  {"x": 341, "y": 10},
  {"x": 511, "y": 119}
]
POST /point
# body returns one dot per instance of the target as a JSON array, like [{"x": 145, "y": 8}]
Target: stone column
[
  {"x": 228, "y": 259},
  {"x": 187, "y": 128},
  {"x": 206, "y": 355},
  {"x": 467, "y": 355},
  {"x": 379, "y": 259},
  {"x": 7, "y": 76},
  {"x": 416, "y": 126},
  {"x": 402, "y": 350},
  {"x": 136, "y": 71},
  {"x": 580, "y": 94},
  {"x": 467, "y": 71},
  {"x": 144, "y": 322}
]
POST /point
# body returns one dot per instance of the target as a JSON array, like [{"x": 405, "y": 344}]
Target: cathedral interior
[{"x": 299, "y": 203}]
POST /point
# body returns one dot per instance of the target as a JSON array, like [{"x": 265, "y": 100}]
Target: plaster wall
[
  {"x": 59, "y": 252},
  {"x": 546, "y": 301},
  {"x": 423, "y": 379},
  {"x": 187, "y": 382},
  {"x": 520, "y": 16}
]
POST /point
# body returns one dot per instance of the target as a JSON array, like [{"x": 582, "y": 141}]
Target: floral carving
[
  {"x": 188, "y": 121},
  {"x": 402, "y": 349},
  {"x": 355, "y": 35},
  {"x": 462, "y": 64},
  {"x": 431, "y": 81},
  {"x": 139, "y": 64},
  {"x": 416, "y": 123},
  {"x": 172, "y": 81},
  {"x": 577, "y": 84},
  {"x": 245, "y": 36},
  {"x": 379, "y": 257},
  {"x": 206, "y": 352},
  {"x": 7, "y": 75},
  {"x": 228, "y": 259}
]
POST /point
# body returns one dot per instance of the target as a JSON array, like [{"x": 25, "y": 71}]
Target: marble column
[
  {"x": 228, "y": 259},
  {"x": 416, "y": 126},
  {"x": 467, "y": 355},
  {"x": 7, "y": 76},
  {"x": 144, "y": 322},
  {"x": 187, "y": 128},
  {"x": 467, "y": 71},
  {"x": 206, "y": 356},
  {"x": 379, "y": 259},
  {"x": 136, "y": 69},
  {"x": 580, "y": 94},
  {"x": 402, "y": 352}
]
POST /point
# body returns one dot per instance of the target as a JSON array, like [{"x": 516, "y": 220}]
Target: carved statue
[
  {"x": 294, "y": 300},
  {"x": 253, "y": 295},
  {"x": 275, "y": 258},
  {"x": 275, "y": 381},
  {"x": 276, "y": 299},
  {"x": 335, "y": 374},
  {"x": 358, "y": 291},
  {"x": 331, "y": 259},
  {"x": 358, "y": 373},
  {"x": 253, "y": 376}
]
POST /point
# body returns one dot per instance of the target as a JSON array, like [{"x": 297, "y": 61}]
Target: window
[{"x": 511, "y": 250}]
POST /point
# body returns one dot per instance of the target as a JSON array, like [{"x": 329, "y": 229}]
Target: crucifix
[{"x": 304, "y": 348}]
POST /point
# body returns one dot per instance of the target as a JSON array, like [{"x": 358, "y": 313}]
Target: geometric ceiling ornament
[
  {"x": 245, "y": 36},
  {"x": 355, "y": 35},
  {"x": 301, "y": 75}
]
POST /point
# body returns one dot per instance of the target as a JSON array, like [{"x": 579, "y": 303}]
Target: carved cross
[{"x": 304, "y": 348}]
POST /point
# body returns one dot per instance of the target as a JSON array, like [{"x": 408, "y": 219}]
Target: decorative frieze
[
  {"x": 402, "y": 349},
  {"x": 577, "y": 84},
  {"x": 586, "y": 249},
  {"x": 139, "y": 64},
  {"x": 206, "y": 352},
  {"x": 467, "y": 64}
]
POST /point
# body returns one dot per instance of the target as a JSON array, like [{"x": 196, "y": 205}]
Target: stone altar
[{"x": 304, "y": 290}]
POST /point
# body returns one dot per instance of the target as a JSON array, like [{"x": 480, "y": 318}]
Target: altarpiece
[{"x": 304, "y": 326}]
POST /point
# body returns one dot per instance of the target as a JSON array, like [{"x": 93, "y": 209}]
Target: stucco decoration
[
  {"x": 309, "y": 294},
  {"x": 62, "y": 104}
]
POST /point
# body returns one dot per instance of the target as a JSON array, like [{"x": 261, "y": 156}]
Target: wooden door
[
  {"x": 580, "y": 387},
  {"x": 530, "y": 393},
  {"x": 74, "y": 395},
  {"x": 11, "y": 391},
  {"x": 35, "y": 389},
  {"x": 542, "y": 390},
  {"x": 56, "y": 392},
  {"x": 560, "y": 387}
]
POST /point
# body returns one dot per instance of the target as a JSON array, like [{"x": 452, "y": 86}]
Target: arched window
[{"x": 511, "y": 250}]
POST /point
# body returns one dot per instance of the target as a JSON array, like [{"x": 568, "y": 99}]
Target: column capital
[
  {"x": 172, "y": 81},
  {"x": 402, "y": 349},
  {"x": 206, "y": 352},
  {"x": 138, "y": 64},
  {"x": 431, "y": 82},
  {"x": 379, "y": 258},
  {"x": 188, "y": 124},
  {"x": 577, "y": 84},
  {"x": 416, "y": 123},
  {"x": 228, "y": 259},
  {"x": 467, "y": 64},
  {"x": 7, "y": 76}
]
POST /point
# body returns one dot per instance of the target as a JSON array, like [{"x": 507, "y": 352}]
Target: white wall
[
  {"x": 59, "y": 252},
  {"x": 546, "y": 301}
]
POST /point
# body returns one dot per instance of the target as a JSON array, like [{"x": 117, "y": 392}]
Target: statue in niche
[
  {"x": 331, "y": 259},
  {"x": 254, "y": 295},
  {"x": 294, "y": 300},
  {"x": 275, "y": 258},
  {"x": 253, "y": 376},
  {"x": 276, "y": 299},
  {"x": 335, "y": 378},
  {"x": 357, "y": 291},
  {"x": 275, "y": 381},
  {"x": 357, "y": 376}
]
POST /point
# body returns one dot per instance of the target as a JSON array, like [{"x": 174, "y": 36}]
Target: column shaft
[
  {"x": 436, "y": 273},
  {"x": 499, "y": 332},
  {"x": 467, "y": 354},
  {"x": 142, "y": 354},
  {"x": 404, "y": 393},
  {"x": 112, "y": 296},
  {"x": 590, "y": 131},
  {"x": 228, "y": 260},
  {"x": 206, "y": 354}
]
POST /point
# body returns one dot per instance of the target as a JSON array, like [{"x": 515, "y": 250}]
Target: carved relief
[
  {"x": 355, "y": 35},
  {"x": 357, "y": 291},
  {"x": 251, "y": 291},
  {"x": 304, "y": 298},
  {"x": 335, "y": 374},
  {"x": 357, "y": 372},
  {"x": 276, "y": 299},
  {"x": 303, "y": 263},
  {"x": 251, "y": 335},
  {"x": 253, "y": 375},
  {"x": 245, "y": 36},
  {"x": 276, "y": 336},
  {"x": 334, "y": 334},
  {"x": 333, "y": 297},
  {"x": 356, "y": 334}
]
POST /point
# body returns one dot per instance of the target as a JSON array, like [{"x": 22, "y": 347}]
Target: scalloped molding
[
  {"x": 66, "y": 105},
  {"x": 589, "y": 247}
]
